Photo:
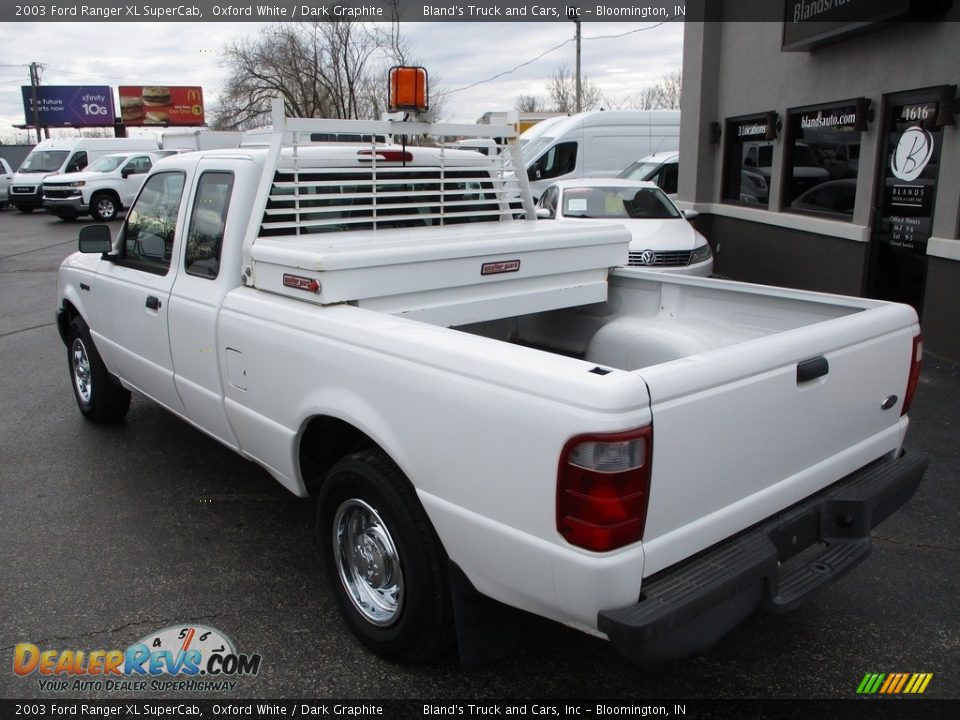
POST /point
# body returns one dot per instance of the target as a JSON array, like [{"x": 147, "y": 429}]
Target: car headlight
[
  {"x": 78, "y": 183},
  {"x": 700, "y": 254}
]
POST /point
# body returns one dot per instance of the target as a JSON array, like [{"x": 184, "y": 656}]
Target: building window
[
  {"x": 749, "y": 159},
  {"x": 823, "y": 159}
]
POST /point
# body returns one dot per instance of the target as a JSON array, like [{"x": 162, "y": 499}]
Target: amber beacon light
[{"x": 408, "y": 89}]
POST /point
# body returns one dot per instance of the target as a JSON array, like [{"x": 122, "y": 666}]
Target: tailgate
[{"x": 742, "y": 432}]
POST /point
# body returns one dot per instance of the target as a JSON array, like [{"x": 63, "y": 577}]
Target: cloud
[{"x": 457, "y": 54}]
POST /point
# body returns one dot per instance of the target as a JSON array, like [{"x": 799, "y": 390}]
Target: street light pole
[
  {"x": 573, "y": 14},
  {"x": 34, "y": 81}
]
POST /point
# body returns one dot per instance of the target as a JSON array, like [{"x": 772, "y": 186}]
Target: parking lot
[{"x": 109, "y": 534}]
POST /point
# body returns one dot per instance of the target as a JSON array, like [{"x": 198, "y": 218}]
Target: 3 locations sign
[
  {"x": 92, "y": 105},
  {"x": 68, "y": 105}
]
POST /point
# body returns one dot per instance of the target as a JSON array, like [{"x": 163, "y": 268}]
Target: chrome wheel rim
[
  {"x": 368, "y": 562},
  {"x": 81, "y": 370},
  {"x": 106, "y": 208}
]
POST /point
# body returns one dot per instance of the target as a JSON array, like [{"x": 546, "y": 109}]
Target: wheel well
[
  {"x": 324, "y": 441},
  {"x": 65, "y": 317},
  {"x": 112, "y": 193}
]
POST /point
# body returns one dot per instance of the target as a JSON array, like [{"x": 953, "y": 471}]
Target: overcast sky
[{"x": 459, "y": 54}]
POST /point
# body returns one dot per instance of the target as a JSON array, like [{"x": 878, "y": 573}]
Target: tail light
[
  {"x": 914, "y": 378},
  {"x": 603, "y": 485}
]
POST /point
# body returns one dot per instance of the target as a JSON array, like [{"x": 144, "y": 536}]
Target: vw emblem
[{"x": 648, "y": 257}]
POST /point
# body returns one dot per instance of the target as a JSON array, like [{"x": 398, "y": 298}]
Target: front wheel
[
  {"x": 99, "y": 397},
  {"x": 383, "y": 559},
  {"x": 104, "y": 207}
]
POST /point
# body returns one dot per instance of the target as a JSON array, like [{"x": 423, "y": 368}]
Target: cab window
[
  {"x": 151, "y": 225},
  {"x": 138, "y": 165},
  {"x": 558, "y": 160},
  {"x": 209, "y": 216},
  {"x": 78, "y": 162}
]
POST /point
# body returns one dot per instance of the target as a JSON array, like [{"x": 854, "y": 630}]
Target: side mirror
[
  {"x": 125, "y": 173},
  {"x": 690, "y": 214},
  {"x": 152, "y": 246},
  {"x": 544, "y": 214},
  {"x": 95, "y": 239}
]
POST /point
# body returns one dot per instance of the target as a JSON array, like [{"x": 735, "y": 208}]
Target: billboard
[
  {"x": 161, "y": 105},
  {"x": 69, "y": 105}
]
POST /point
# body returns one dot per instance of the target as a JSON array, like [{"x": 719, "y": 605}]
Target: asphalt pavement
[{"x": 111, "y": 534}]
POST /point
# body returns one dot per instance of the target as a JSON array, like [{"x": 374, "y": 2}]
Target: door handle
[
  {"x": 812, "y": 369},
  {"x": 153, "y": 302}
]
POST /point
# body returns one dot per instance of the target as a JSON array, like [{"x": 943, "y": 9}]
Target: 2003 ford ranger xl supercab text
[{"x": 492, "y": 414}]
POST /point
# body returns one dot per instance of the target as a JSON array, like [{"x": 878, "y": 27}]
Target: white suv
[
  {"x": 6, "y": 175},
  {"x": 102, "y": 189}
]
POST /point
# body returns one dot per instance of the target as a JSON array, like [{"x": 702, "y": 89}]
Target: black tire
[
  {"x": 25, "y": 210},
  {"x": 104, "y": 206},
  {"x": 380, "y": 518},
  {"x": 99, "y": 396}
]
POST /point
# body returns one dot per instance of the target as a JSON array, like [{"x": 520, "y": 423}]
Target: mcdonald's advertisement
[{"x": 165, "y": 105}]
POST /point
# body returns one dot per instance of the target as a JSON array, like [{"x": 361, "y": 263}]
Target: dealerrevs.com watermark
[{"x": 179, "y": 658}]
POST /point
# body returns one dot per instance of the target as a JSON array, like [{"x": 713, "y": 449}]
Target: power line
[
  {"x": 513, "y": 70},
  {"x": 84, "y": 74},
  {"x": 631, "y": 32},
  {"x": 547, "y": 52}
]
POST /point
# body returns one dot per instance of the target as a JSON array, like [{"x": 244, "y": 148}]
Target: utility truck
[{"x": 492, "y": 413}]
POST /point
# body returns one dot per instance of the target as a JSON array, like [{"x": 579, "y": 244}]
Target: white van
[
  {"x": 597, "y": 144},
  {"x": 192, "y": 140},
  {"x": 59, "y": 156}
]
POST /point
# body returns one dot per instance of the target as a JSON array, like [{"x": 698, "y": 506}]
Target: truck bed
[{"x": 737, "y": 430}]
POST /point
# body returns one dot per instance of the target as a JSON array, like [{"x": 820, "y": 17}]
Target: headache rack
[
  {"x": 383, "y": 185},
  {"x": 443, "y": 234}
]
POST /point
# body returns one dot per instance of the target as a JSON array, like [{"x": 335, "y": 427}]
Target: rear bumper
[{"x": 775, "y": 565}]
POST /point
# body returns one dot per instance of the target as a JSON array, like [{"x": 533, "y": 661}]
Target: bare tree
[
  {"x": 561, "y": 94},
  {"x": 562, "y": 91},
  {"x": 531, "y": 103},
  {"x": 322, "y": 69},
  {"x": 662, "y": 95},
  {"x": 670, "y": 87}
]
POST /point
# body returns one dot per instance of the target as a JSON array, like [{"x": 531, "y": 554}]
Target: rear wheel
[
  {"x": 383, "y": 559},
  {"x": 104, "y": 207},
  {"x": 25, "y": 210},
  {"x": 99, "y": 396}
]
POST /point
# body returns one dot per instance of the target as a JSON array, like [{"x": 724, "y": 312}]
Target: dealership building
[{"x": 825, "y": 154}]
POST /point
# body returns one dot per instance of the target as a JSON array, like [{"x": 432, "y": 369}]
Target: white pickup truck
[{"x": 492, "y": 414}]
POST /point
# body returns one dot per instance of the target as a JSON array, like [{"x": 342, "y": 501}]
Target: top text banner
[
  {"x": 341, "y": 10},
  {"x": 816, "y": 13}
]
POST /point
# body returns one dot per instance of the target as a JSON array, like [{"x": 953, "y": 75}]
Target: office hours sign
[{"x": 910, "y": 177}]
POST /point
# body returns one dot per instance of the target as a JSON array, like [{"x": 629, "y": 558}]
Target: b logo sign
[{"x": 912, "y": 154}]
